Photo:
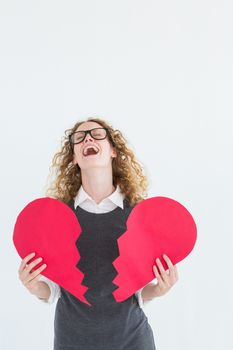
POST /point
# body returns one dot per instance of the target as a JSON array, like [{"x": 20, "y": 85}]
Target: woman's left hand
[{"x": 166, "y": 279}]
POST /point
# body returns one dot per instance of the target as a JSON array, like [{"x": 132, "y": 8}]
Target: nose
[{"x": 88, "y": 137}]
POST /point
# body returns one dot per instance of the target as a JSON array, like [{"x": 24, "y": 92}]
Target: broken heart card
[{"x": 154, "y": 226}]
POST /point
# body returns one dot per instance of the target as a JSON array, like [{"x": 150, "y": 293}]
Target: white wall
[{"x": 161, "y": 71}]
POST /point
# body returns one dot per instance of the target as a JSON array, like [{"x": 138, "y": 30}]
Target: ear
[{"x": 114, "y": 153}]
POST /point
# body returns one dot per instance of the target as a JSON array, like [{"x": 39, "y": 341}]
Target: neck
[{"x": 97, "y": 183}]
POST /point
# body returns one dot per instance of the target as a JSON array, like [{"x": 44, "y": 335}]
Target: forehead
[{"x": 88, "y": 125}]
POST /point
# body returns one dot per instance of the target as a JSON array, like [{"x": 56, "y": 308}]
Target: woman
[{"x": 101, "y": 181}]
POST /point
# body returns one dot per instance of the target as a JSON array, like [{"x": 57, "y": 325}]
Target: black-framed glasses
[{"x": 97, "y": 134}]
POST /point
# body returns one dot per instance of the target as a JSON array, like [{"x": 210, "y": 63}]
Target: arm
[
  {"x": 142, "y": 301},
  {"x": 147, "y": 293},
  {"x": 49, "y": 291},
  {"x": 43, "y": 291}
]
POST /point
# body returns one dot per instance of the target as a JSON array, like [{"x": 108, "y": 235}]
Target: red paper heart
[
  {"x": 155, "y": 226},
  {"x": 50, "y": 228}
]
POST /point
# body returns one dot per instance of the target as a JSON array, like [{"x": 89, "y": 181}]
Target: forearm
[
  {"x": 43, "y": 290},
  {"x": 148, "y": 292}
]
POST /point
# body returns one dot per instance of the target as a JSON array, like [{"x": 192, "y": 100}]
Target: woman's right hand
[{"x": 28, "y": 276}]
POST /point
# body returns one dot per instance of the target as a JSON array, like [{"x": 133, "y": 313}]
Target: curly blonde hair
[{"x": 127, "y": 171}]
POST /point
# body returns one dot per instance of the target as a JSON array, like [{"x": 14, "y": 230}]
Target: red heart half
[
  {"x": 50, "y": 228},
  {"x": 155, "y": 226}
]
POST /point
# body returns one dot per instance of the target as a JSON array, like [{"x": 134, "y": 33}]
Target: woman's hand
[
  {"x": 30, "y": 277},
  {"x": 166, "y": 279}
]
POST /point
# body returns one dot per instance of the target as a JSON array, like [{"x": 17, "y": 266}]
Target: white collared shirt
[
  {"x": 107, "y": 204},
  {"x": 85, "y": 202}
]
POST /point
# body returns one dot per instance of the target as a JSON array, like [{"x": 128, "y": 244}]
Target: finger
[
  {"x": 170, "y": 265},
  {"x": 163, "y": 272},
  {"x": 34, "y": 263},
  {"x": 27, "y": 269},
  {"x": 34, "y": 274},
  {"x": 168, "y": 261},
  {"x": 157, "y": 275},
  {"x": 24, "y": 262},
  {"x": 173, "y": 273}
]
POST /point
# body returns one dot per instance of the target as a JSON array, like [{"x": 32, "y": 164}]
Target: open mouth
[{"x": 90, "y": 150}]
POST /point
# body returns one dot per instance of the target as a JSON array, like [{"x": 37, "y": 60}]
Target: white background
[{"x": 160, "y": 71}]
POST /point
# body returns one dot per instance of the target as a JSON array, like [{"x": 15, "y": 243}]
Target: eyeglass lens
[{"x": 97, "y": 133}]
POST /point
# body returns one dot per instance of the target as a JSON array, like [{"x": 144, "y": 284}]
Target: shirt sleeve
[{"x": 54, "y": 289}]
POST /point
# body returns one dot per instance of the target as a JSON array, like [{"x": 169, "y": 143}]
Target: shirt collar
[{"x": 117, "y": 197}]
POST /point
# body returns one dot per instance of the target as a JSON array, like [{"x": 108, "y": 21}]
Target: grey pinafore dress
[{"x": 106, "y": 324}]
